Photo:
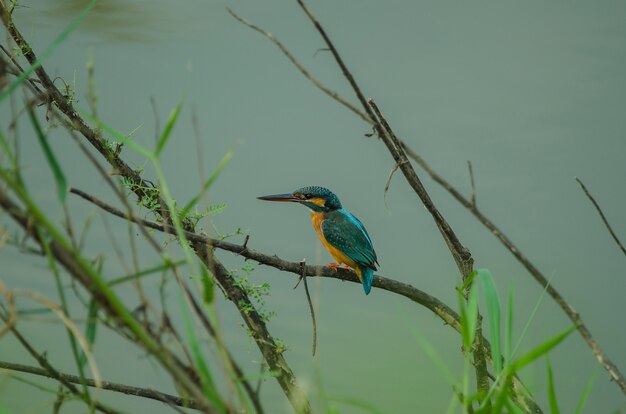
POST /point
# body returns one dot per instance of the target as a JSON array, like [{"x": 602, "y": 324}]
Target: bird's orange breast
[{"x": 337, "y": 254}]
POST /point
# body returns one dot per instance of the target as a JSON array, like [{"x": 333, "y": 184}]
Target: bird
[{"x": 343, "y": 235}]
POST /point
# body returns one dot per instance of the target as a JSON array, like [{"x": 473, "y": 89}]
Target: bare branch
[
  {"x": 602, "y": 216},
  {"x": 472, "y": 184},
  {"x": 300, "y": 67},
  {"x": 571, "y": 313},
  {"x": 105, "y": 385},
  {"x": 308, "y": 297},
  {"x": 439, "y": 308},
  {"x": 236, "y": 294}
]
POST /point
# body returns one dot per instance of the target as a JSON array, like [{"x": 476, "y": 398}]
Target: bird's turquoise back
[{"x": 346, "y": 233}]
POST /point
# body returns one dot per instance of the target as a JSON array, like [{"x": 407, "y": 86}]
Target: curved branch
[
  {"x": 602, "y": 216},
  {"x": 439, "y": 308},
  {"x": 105, "y": 385},
  {"x": 264, "y": 340},
  {"x": 571, "y": 313},
  {"x": 301, "y": 68},
  {"x": 600, "y": 355}
]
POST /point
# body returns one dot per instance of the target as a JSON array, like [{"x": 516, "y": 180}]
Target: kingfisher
[{"x": 340, "y": 232}]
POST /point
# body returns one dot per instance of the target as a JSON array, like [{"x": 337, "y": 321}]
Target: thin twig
[
  {"x": 571, "y": 313},
  {"x": 308, "y": 297},
  {"x": 388, "y": 183},
  {"x": 300, "y": 67},
  {"x": 236, "y": 294},
  {"x": 472, "y": 184},
  {"x": 602, "y": 358},
  {"x": 602, "y": 216},
  {"x": 51, "y": 372},
  {"x": 105, "y": 385},
  {"x": 439, "y": 308}
]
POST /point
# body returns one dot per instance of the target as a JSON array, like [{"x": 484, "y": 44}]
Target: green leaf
[
  {"x": 209, "y": 182},
  {"x": 55, "y": 43},
  {"x": 502, "y": 396},
  {"x": 206, "y": 379},
  {"x": 124, "y": 139},
  {"x": 434, "y": 356},
  {"x": 470, "y": 279},
  {"x": 587, "y": 390},
  {"x": 90, "y": 328},
  {"x": 4, "y": 143},
  {"x": 492, "y": 300},
  {"x": 540, "y": 350},
  {"x": 469, "y": 316},
  {"x": 554, "y": 404},
  {"x": 208, "y": 285},
  {"x": 357, "y": 403},
  {"x": 168, "y": 128},
  {"x": 52, "y": 161},
  {"x": 146, "y": 272},
  {"x": 508, "y": 328}
]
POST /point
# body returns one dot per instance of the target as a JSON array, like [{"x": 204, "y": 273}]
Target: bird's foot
[{"x": 336, "y": 266}]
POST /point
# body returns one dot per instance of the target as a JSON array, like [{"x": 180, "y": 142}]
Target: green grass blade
[
  {"x": 508, "y": 328},
  {"x": 4, "y": 143},
  {"x": 531, "y": 318},
  {"x": 59, "y": 177},
  {"x": 434, "y": 356},
  {"x": 124, "y": 139},
  {"x": 208, "y": 286},
  {"x": 587, "y": 390},
  {"x": 554, "y": 404},
  {"x": 168, "y": 128},
  {"x": 46, "y": 53},
  {"x": 502, "y": 395},
  {"x": 492, "y": 300},
  {"x": 540, "y": 350},
  {"x": 208, "y": 385},
  {"x": 90, "y": 328},
  {"x": 513, "y": 409},
  {"x": 146, "y": 272},
  {"x": 468, "y": 282},
  {"x": 469, "y": 316},
  {"x": 357, "y": 403},
  {"x": 209, "y": 182}
]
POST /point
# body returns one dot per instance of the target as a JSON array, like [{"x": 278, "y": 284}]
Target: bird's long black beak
[{"x": 280, "y": 197}]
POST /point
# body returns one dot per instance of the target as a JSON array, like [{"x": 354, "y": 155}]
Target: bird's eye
[{"x": 308, "y": 196}]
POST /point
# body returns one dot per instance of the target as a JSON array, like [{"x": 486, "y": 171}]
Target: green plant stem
[
  {"x": 262, "y": 336},
  {"x": 94, "y": 283},
  {"x": 447, "y": 314}
]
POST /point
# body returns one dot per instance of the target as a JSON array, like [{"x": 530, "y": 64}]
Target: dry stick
[
  {"x": 76, "y": 268},
  {"x": 308, "y": 297},
  {"x": 602, "y": 216},
  {"x": 51, "y": 372},
  {"x": 105, "y": 385},
  {"x": 447, "y": 314},
  {"x": 238, "y": 371},
  {"x": 573, "y": 315},
  {"x": 247, "y": 310},
  {"x": 299, "y": 66},
  {"x": 472, "y": 185},
  {"x": 254, "y": 398},
  {"x": 602, "y": 358},
  {"x": 461, "y": 255}
]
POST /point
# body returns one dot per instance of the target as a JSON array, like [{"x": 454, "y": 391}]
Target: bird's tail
[{"x": 367, "y": 275}]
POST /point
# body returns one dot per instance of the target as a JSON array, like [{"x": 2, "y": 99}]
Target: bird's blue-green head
[{"x": 318, "y": 199}]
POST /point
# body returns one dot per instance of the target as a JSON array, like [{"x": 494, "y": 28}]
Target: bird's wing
[{"x": 345, "y": 232}]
